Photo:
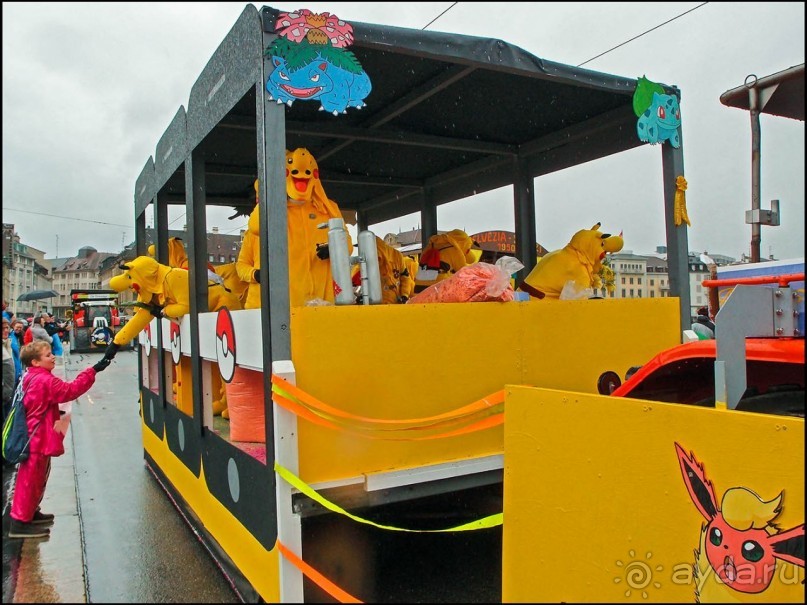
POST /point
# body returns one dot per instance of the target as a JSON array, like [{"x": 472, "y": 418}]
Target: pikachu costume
[
  {"x": 308, "y": 207},
  {"x": 443, "y": 256},
  {"x": 579, "y": 261}
]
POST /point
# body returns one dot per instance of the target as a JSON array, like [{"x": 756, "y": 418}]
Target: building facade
[
  {"x": 82, "y": 272},
  {"x": 24, "y": 270}
]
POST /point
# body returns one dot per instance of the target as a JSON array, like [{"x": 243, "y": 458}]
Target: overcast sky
[{"x": 88, "y": 90}]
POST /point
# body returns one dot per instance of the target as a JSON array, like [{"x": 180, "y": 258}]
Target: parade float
[{"x": 513, "y": 475}]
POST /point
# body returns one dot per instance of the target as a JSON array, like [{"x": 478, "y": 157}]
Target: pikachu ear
[{"x": 595, "y": 227}]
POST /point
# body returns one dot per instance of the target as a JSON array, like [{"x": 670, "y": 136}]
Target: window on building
[
  {"x": 631, "y": 292},
  {"x": 631, "y": 280},
  {"x": 623, "y": 292},
  {"x": 623, "y": 281},
  {"x": 639, "y": 293},
  {"x": 652, "y": 282},
  {"x": 640, "y": 281},
  {"x": 652, "y": 294}
]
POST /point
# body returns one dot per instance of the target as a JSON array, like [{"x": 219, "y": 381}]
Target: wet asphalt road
[{"x": 117, "y": 537}]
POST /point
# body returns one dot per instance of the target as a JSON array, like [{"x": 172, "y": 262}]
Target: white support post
[{"x": 289, "y": 530}]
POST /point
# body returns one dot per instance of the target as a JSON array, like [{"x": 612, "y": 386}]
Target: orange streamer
[
  {"x": 491, "y": 401},
  {"x": 307, "y": 414},
  {"x": 317, "y": 578}
]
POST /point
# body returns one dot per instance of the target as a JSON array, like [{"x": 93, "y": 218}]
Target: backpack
[{"x": 15, "y": 429}]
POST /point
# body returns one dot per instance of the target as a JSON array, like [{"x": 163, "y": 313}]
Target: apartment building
[
  {"x": 647, "y": 276},
  {"x": 78, "y": 273},
  {"x": 24, "y": 269},
  {"x": 630, "y": 275}
]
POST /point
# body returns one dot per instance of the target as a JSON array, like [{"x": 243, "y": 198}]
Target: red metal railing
[{"x": 781, "y": 280}]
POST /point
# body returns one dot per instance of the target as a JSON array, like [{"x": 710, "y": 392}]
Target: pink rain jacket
[{"x": 43, "y": 394}]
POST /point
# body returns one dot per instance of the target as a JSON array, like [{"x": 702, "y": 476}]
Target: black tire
[{"x": 81, "y": 341}]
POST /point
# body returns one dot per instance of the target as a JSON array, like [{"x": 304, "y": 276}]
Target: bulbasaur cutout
[
  {"x": 660, "y": 121},
  {"x": 334, "y": 87}
]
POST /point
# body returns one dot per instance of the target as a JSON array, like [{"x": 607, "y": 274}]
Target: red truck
[{"x": 96, "y": 319}]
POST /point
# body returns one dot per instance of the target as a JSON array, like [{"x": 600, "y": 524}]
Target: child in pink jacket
[{"x": 43, "y": 394}]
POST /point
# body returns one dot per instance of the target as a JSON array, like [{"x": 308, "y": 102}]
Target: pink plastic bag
[{"x": 480, "y": 282}]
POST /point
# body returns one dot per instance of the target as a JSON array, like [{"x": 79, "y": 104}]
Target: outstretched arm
[
  {"x": 63, "y": 391},
  {"x": 134, "y": 326}
]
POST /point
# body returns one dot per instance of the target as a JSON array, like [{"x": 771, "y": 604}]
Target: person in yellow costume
[
  {"x": 177, "y": 257},
  {"x": 308, "y": 207},
  {"x": 310, "y": 276},
  {"x": 231, "y": 280},
  {"x": 444, "y": 255},
  {"x": 162, "y": 291},
  {"x": 579, "y": 261},
  {"x": 408, "y": 281},
  {"x": 396, "y": 282},
  {"x": 248, "y": 265}
]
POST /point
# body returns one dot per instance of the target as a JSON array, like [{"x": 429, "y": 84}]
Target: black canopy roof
[
  {"x": 449, "y": 116},
  {"x": 449, "y": 113}
]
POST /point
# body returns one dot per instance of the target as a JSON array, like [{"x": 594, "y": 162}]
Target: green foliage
[
  {"x": 643, "y": 96},
  {"x": 280, "y": 47},
  {"x": 342, "y": 58},
  {"x": 300, "y": 54}
]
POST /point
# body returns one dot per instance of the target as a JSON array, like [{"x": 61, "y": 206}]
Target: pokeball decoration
[
  {"x": 176, "y": 349},
  {"x": 225, "y": 344}
]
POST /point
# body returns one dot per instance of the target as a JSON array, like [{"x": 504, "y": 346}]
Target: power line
[
  {"x": 69, "y": 218},
  {"x": 642, "y": 34},
  {"x": 453, "y": 4}
]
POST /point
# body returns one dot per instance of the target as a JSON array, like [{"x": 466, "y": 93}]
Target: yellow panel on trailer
[
  {"x": 250, "y": 558},
  {"x": 600, "y": 504},
  {"x": 415, "y": 361}
]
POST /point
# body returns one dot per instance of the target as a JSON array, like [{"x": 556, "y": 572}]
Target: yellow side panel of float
[
  {"x": 259, "y": 566},
  {"x": 413, "y": 361},
  {"x": 596, "y": 508}
]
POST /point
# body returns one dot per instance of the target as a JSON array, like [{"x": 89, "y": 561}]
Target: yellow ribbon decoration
[
  {"x": 296, "y": 482},
  {"x": 680, "y": 203}
]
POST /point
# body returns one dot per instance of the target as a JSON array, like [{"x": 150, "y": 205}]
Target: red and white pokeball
[
  {"x": 225, "y": 344},
  {"x": 176, "y": 349},
  {"x": 147, "y": 338}
]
